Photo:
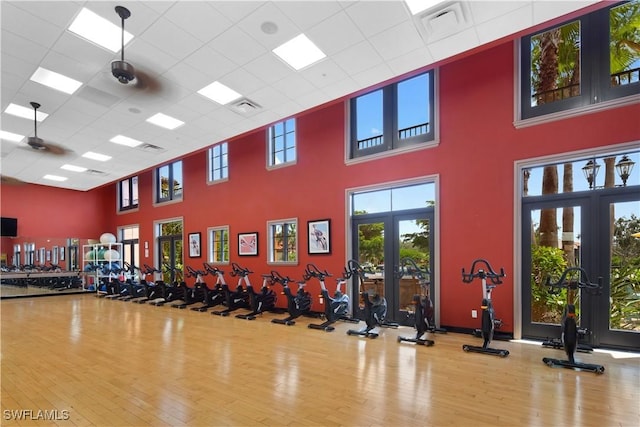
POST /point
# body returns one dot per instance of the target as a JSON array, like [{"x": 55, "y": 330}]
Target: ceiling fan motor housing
[{"x": 123, "y": 71}]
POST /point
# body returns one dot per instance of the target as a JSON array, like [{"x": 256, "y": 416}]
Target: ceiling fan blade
[
  {"x": 38, "y": 144},
  {"x": 146, "y": 82}
]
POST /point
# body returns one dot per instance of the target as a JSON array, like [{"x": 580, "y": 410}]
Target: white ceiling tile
[
  {"x": 242, "y": 81},
  {"x": 396, "y": 41},
  {"x": 20, "y": 47},
  {"x": 199, "y": 19},
  {"x": 237, "y": 10},
  {"x": 504, "y": 25},
  {"x": 269, "y": 68},
  {"x": 410, "y": 61},
  {"x": 324, "y": 73},
  {"x": 546, "y": 10},
  {"x": 335, "y": 34},
  {"x": 168, "y": 37},
  {"x": 142, "y": 54},
  {"x": 454, "y": 44},
  {"x": 28, "y": 26},
  {"x": 372, "y": 76},
  {"x": 483, "y": 11},
  {"x": 358, "y": 57},
  {"x": 245, "y": 48},
  {"x": 306, "y": 14},
  {"x": 187, "y": 76},
  {"x": 59, "y": 13},
  {"x": 294, "y": 86},
  {"x": 372, "y": 17},
  {"x": 269, "y": 13},
  {"x": 210, "y": 62}
]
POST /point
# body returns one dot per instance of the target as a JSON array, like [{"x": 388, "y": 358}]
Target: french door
[
  {"x": 170, "y": 251},
  {"x": 380, "y": 243},
  {"x": 595, "y": 231}
]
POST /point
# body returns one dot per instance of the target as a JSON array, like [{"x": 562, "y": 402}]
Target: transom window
[
  {"x": 282, "y": 143},
  {"x": 219, "y": 244},
  {"x": 169, "y": 182},
  {"x": 393, "y": 199},
  {"x": 218, "y": 162},
  {"x": 128, "y": 193},
  {"x": 396, "y": 116},
  {"x": 582, "y": 62},
  {"x": 283, "y": 241}
]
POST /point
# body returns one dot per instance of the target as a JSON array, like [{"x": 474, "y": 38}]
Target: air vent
[
  {"x": 151, "y": 148},
  {"x": 449, "y": 20},
  {"x": 245, "y": 107}
]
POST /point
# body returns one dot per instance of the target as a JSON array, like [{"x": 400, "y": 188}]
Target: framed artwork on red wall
[
  {"x": 319, "y": 235},
  {"x": 248, "y": 244},
  {"x": 194, "y": 245}
]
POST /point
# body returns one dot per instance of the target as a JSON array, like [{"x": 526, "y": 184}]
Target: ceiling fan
[
  {"x": 37, "y": 143},
  {"x": 123, "y": 71}
]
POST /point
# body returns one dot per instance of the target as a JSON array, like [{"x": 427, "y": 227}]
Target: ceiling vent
[
  {"x": 150, "y": 148},
  {"x": 435, "y": 25},
  {"x": 245, "y": 107}
]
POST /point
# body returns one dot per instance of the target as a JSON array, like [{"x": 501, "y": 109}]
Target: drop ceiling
[{"x": 187, "y": 45}]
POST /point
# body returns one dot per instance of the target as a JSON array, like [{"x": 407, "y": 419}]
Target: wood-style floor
[{"x": 93, "y": 362}]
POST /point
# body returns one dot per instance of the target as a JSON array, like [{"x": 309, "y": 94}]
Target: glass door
[
  {"x": 170, "y": 254},
  {"x": 617, "y": 309}
]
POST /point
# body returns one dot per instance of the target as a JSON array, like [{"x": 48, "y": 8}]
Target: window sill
[
  {"x": 576, "y": 112},
  {"x": 393, "y": 152}
]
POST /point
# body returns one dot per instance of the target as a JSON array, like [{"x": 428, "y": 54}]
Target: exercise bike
[
  {"x": 336, "y": 307},
  {"x": 424, "y": 318},
  {"x": 298, "y": 304},
  {"x": 192, "y": 294},
  {"x": 570, "y": 330},
  {"x": 488, "y": 313},
  {"x": 375, "y": 305},
  {"x": 213, "y": 295},
  {"x": 233, "y": 300},
  {"x": 259, "y": 302}
]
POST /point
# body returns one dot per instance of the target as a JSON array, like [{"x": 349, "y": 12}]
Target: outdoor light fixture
[
  {"x": 624, "y": 168},
  {"x": 590, "y": 171}
]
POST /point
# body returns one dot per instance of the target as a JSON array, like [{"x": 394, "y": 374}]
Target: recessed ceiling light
[
  {"x": 219, "y": 93},
  {"x": 73, "y": 168},
  {"x": 24, "y": 112},
  {"x": 10, "y": 136},
  {"x": 417, "y": 6},
  {"x": 165, "y": 121},
  {"x": 55, "y": 80},
  {"x": 96, "y": 156},
  {"x": 55, "y": 178},
  {"x": 96, "y": 29},
  {"x": 299, "y": 52},
  {"x": 125, "y": 140}
]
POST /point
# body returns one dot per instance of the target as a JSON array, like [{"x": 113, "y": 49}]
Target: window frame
[
  {"x": 271, "y": 149},
  {"x": 271, "y": 241},
  {"x": 392, "y": 143},
  {"x": 216, "y": 163},
  {"x": 130, "y": 187},
  {"x": 211, "y": 231},
  {"x": 158, "y": 187},
  {"x": 595, "y": 90}
]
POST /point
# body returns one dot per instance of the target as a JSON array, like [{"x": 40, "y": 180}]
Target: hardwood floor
[{"x": 86, "y": 361}]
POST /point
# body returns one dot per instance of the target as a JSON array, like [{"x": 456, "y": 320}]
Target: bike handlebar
[
  {"x": 236, "y": 270},
  {"x": 211, "y": 269},
  {"x": 486, "y": 273},
  {"x": 563, "y": 283},
  {"x": 313, "y": 271}
]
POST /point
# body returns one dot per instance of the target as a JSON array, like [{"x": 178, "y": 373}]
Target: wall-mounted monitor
[{"x": 9, "y": 227}]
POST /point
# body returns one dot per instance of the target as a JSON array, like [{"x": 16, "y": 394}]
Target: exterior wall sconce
[{"x": 624, "y": 168}]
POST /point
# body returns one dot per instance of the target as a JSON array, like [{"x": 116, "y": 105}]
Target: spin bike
[
  {"x": 259, "y": 302},
  {"x": 570, "y": 330},
  {"x": 213, "y": 295},
  {"x": 298, "y": 304},
  {"x": 233, "y": 300},
  {"x": 488, "y": 314},
  {"x": 375, "y": 306},
  {"x": 424, "y": 319},
  {"x": 336, "y": 307}
]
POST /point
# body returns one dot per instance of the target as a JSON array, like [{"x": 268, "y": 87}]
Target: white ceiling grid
[{"x": 187, "y": 45}]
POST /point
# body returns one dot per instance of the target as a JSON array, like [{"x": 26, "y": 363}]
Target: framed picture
[
  {"x": 248, "y": 244},
  {"x": 319, "y": 234},
  {"x": 194, "y": 245}
]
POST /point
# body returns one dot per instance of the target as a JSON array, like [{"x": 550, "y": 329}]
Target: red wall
[{"x": 475, "y": 158}]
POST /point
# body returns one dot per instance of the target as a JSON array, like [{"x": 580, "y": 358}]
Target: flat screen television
[{"x": 9, "y": 227}]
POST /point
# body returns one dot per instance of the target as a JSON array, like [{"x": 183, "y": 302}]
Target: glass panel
[
  {"x": 369, "y": 120},
  {"x": 165, "y": 257},
  {"x": 584, "y": 174},
  {"x": 555, "y": 245},
  {"x": 134, "y": 191},
  {"x": 555, "y": 64},
  {"x": 163, "y": 182},
  {"x": 125, "y": 197},
  {"x": 413, "y": 106},
  {"x": 624, "y": 40},
  {"x": 415, "y": 196},
  {"x": 290, "y": 154},
  {"x": 371, "y": 258},
  {"x": 624, "y": 273},
  {"x": 371, "y": 202},
  {"x": 291, "y": 242},
  {"x": 177, "y": 179},
  {"x": 413, "y": 243}
]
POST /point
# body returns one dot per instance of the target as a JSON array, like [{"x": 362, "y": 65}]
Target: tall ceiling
[{"x": 186, "y": 45}]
